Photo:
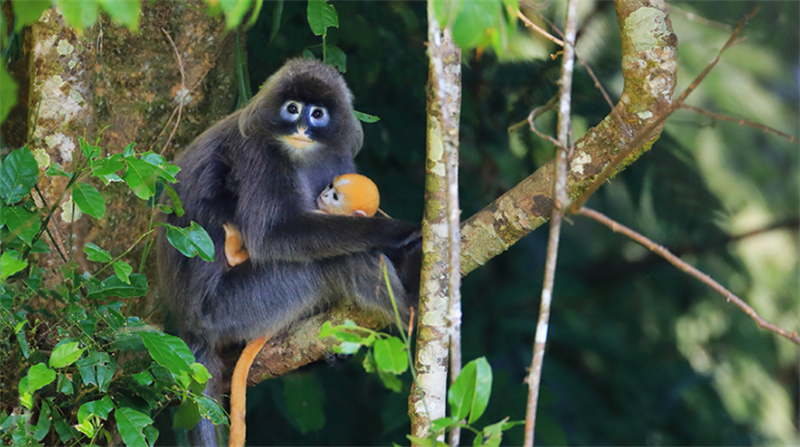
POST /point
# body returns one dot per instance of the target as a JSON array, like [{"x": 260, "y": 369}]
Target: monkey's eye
[
  {"x": 318, "y": 116},
  {"x": 336, "y": 197},
  {"x": 291, "y": 111}
]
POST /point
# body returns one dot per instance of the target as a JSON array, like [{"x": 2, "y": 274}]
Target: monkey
[
  {"x": 260, "y": 170},
  {"x": 348, "y": 194}
]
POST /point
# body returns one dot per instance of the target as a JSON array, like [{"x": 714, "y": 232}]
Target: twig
[
  {"x": 532, "y": 124},
  {"x": 637, "y": 142},
  {"x": 181, "y": 94},
  {"x": 692, "y": 17},
  {"x": 688, "y": 268},
  {"x": 539, "y": 30},
  {"x": 561, "y": 200},
  {"x": 536, "y": 113},
  {"x": 740, "y": 121}
]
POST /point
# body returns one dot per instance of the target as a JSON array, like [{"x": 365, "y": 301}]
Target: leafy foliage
[{"x": 101, "y": 360}]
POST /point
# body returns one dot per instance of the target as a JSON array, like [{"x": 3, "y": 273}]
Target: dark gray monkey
[{"x": 261, "y": 170}]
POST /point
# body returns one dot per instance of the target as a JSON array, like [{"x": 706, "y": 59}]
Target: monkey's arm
[{"x": 320, "y": 236}]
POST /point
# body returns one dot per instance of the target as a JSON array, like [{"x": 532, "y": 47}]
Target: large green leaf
[
  {"x": 483, "y": 388},
  {"x": 28, "y": 11},
  {"x": 96, "y": 254},
  {"x": 191, "y": 241},
  {"x": 122, "y": 269},
  {"x": 321, "y": 15},
  {"x": 131, "y": 424},
  {"x": 168, "y": 351},
  {"x": 164, "y": 168},
  {"x": 79, "y": 14},
  {"x": 462, "y": 392},
  {"x": 141, "y": 177},
  {"x": 11, "y": 263},
  {"x": 18, "y": 174},
  {"x": 187, "y": 416},
  {"x": 89, "y": 200},
  {"x": 475, "y": 23},
  {"x": 65, "y": 354},
  {"x": 39, "y": 375},
  {"x": 336, "y": 57},
  {"x": 21, "y": 222},
  {"x": 100, "y": 408},
  {"x": 390, "y": 355},
  {"x": 97, "y": 369}
]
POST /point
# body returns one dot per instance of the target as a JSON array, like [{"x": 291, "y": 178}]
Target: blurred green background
[{"x": 639, "y": 352}]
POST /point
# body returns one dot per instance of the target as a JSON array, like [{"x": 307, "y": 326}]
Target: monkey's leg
[
  {"x": 235, "y": 253},
  {"x": 239, "y": 391}
]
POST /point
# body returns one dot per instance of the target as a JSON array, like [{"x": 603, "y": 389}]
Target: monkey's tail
[{"x": 239, "y": 391}]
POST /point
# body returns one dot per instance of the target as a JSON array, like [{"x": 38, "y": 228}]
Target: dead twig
[
  {"x": 181, "y": 94},
  {"x": 688, "y": 268},
  {"x": 741, "y": 122}
]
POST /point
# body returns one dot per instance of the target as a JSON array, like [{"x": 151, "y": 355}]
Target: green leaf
[
  {"x": 443, "y": 424},
  {"x": 64, "y": 384},
  {"x": 10, "y": 263},
  {"x": 28, "y": 11},
  {"x": 79, "y": 15},
  {"x": 177, "y": 204},
  {"x": 462, "y": 392},
  {"x": 168, "y": 351},
  {"x": 55, "y": 169},
  {"x": 304, "y": 401},
  {"x": 8, "y": 90},
  {"x": 187, "y": 416},
  {"x": 475, "y": 22},
  {"x": 493, "y": 434},
  {"x": 18, "y": 174},
  {"x": 89, "y": 200},
  {"x": 335, "y": 57},
  {"x": 122, "y": 270},
  {"x": 140, "y": 177},
  {"x": 163, "y": 168},
  {"x": 234, "y": 12},
  {"x": 130, "y": 424},
  {"x": 390, "y": 381},
  {"x": 39, "y": 375},
  {"x": 276, "y": 20},
  {"x": 390, "y": 355},
  {"x": 65, "y": 432},
  {"x": 89, "y": 151},
  {"x": 363, "y": 117},
  {"x": 65, "y": 354},
  {"x": 210, "y": 409},
  {"x": 43, "y": 426},
  {"x": 96, "y": 254},
  {"x": 125, "y": 12},
  {"x": 100, "y": 408},
  {"x": 191, "y": 241},
  {"x": 97, "y": 369},
  {"x": 20, "y": 222},
  {"x": 113, "y": 286},
  {"x": 105, "y": 166},
  {"x": 321, "y": 16},
  {"x": 483, "y": 389}
]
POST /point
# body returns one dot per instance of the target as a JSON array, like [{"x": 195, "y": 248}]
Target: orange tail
[{"x": 239, "y": 391}]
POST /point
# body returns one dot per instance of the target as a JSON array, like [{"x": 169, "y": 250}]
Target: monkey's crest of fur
[{"x": 309, "y": 80}]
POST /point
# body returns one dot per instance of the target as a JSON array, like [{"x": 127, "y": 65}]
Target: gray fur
[{"x": 300, "y": 261}]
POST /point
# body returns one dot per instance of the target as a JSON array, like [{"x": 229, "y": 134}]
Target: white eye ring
[
  {"x": 290, "y": 111},
  {"x": 318, "y": 116}
]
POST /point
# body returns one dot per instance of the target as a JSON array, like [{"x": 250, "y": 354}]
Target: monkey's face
[
  {"x": 332, "y": 201},
  {"x": 304, "y": 125}
]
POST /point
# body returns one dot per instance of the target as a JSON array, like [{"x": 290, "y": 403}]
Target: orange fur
[{"x": 239, "y": 391}]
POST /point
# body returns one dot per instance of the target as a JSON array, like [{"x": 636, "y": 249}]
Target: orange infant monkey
[{"x": 347, "y": 195}]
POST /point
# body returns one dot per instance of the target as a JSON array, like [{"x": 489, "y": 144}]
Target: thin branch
[
  {"x": 692, "y": 17},
  {"x": 539, "y": 30},
  {"x": 644, "y": 135},
  {"x": 181, "y": 94},
  {"x": 741, "y": 122},
  {"x": 535, "y": 375},
  {"x": 536, "y": 113},
  {"x": 677, "y": 262}
]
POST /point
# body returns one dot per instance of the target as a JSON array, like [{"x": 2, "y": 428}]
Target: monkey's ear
[{"x": 360, "y": 213}]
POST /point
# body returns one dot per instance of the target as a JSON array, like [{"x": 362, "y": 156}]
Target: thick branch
[{"x": 649, "y": 52}]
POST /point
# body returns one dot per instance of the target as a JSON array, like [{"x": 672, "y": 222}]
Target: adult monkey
[{"x": 261, "y": 169}]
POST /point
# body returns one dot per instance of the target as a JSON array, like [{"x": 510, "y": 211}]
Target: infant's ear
[{"x": 359, "y": 213}]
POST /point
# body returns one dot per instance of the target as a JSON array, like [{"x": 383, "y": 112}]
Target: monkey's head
[
  {"x": 307, "y": 108},
  {"x": 350, "y": 195}
]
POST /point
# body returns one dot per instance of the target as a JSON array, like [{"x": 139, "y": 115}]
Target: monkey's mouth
[{"x": 298, "y": 140}]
